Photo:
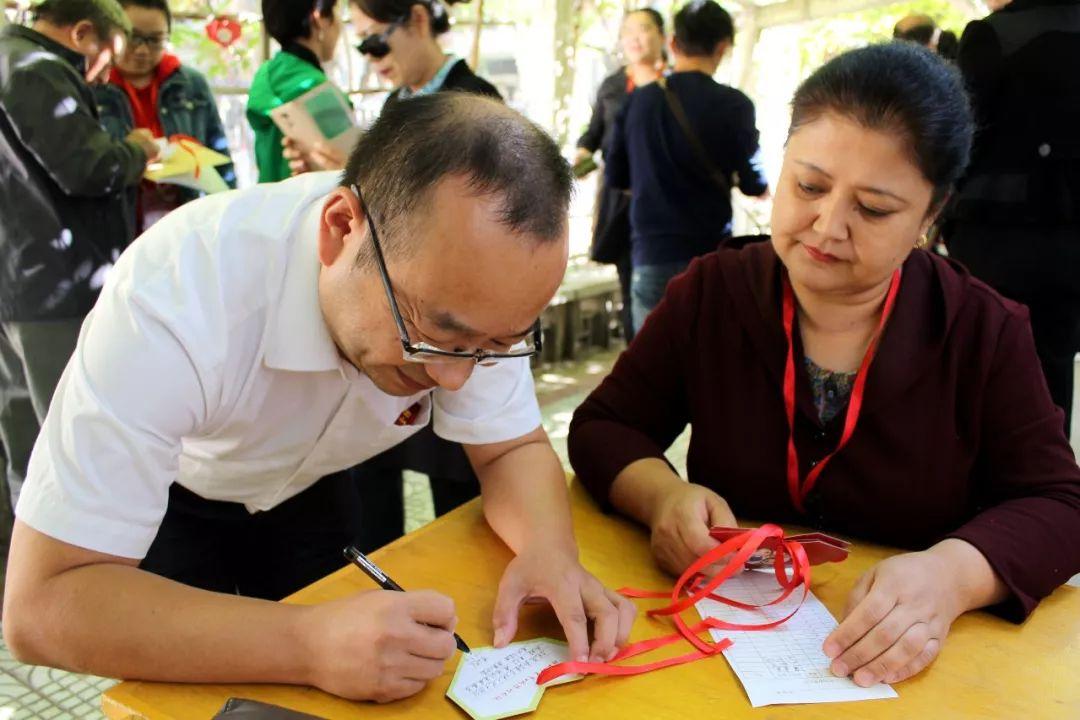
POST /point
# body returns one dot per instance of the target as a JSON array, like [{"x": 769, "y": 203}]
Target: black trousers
[
  {"x": 380, "y": 484},
  {"x": 220, "y": 546},
  {"x": 1038, "y": 266}
]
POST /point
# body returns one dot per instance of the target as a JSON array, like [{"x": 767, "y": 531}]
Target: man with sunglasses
[{"x": 253, "y": 342}]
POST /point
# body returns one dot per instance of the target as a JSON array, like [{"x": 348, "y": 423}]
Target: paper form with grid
[{"x": 785, "y": 664}]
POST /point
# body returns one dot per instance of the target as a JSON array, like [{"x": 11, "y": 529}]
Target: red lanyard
[
  {"x": 799, "y": 492},
  {"x": 740, "y": 547}
]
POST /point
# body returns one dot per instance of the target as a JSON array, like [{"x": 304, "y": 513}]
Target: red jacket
[{"x": 958, "y": 436}]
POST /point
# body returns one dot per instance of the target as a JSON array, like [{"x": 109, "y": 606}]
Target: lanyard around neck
[{"x": 797, "y": 490}]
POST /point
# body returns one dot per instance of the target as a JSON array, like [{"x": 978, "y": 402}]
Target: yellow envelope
[{"x": 188, "y": 163}]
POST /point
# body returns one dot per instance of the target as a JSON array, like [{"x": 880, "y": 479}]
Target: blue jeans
[{"x": 647, "y": 285}]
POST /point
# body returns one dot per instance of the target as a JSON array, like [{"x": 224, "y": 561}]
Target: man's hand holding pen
[{"x": 379, "y": 645}]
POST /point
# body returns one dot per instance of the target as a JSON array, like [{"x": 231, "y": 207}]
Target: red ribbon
[
  {"x": 799, "y": 491},
  {"x": 696, "y": 587},
  {"x": 182, "y": 142}
]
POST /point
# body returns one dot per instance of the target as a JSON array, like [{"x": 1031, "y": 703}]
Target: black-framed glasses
[
  {"x": 423, "y": 352},
  {"x": 378, "y": 44},
  {"x": 152, "y": 42}
]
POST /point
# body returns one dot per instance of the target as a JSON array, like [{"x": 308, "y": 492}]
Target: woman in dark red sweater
[{"x": 921, "y": 380}]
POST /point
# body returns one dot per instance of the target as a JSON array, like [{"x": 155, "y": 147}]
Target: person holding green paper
[{"x": 308, "y": 31}]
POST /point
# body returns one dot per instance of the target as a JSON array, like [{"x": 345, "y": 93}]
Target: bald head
[
  {"x": 915, "y": 28},
  {"x": 498, "y": 152}
]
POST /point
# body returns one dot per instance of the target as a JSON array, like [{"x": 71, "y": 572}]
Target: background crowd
[{"x": 671, "y": 153}]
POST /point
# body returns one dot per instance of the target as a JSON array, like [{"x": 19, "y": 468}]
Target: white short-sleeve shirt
[{"x": 206, "y": 361}]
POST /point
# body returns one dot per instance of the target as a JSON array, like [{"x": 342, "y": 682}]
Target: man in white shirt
[{"x": 253, "y": 342}]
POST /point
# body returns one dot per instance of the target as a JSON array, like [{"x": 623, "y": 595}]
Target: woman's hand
[
  {"x": 319, "y": 157},
  {"x": 681, "y": 523},
  {"x": 900, "y": 611},
  {"x": 296, "y": 157},
  {"x": 326, "y": 157},
  {"x": 576, "y": 596}
]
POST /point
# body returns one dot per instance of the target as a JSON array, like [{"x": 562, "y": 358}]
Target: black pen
[{"x": 383, "y": 580}]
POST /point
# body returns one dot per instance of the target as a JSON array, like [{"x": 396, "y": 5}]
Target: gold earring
[{"x": 922, "y": 242}]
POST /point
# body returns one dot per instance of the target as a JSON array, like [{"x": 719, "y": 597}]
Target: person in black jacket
[
  {"x": 62, "y": 218},
  {"x": 680, "y": 178},
  {"x": 642, "y": 39},
  {"x": 400, "y": 38},
  {"x": 1015, "y": 219}
]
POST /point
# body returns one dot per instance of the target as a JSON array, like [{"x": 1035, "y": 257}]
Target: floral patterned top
[{"x": 831, "y": 390}]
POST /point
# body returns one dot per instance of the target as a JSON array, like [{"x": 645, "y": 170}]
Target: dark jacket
[
  {"x": 1022, "y": 66},
  {"x": 62, "y": 181},
  {"x": 958, "y": 436},
  {"x": 677, "y": 212},
  {"x": 185, "y": 107},
  {"x": 610, "y": 98},
  {"x": 460, "y": 78}
]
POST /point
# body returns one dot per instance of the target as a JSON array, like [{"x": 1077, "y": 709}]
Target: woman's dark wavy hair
[
  {"x": 903, "y": 88},
  {"x": 388, "y": 11}
]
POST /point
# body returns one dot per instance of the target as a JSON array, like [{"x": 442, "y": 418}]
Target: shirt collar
[
  {"x": 434, "y": 84},
  {"x": 305, "y": 54},
  {"x": 298, "y": 337},
  {"x": 75, "y": 59}
]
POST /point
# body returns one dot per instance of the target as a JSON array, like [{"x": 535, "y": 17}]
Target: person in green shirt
[{"x": 308, "y": 32}]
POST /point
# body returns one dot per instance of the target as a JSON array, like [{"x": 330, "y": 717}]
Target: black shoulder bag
[{"x": 722, "y": 182}]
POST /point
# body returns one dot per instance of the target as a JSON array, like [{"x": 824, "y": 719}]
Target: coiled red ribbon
[{"x": 694, "y": 586}]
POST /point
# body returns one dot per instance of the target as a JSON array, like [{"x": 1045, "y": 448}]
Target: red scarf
[{"x": 144, "y": 101}]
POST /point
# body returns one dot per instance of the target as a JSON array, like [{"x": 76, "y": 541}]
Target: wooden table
[{"x": 988, "y": 668}]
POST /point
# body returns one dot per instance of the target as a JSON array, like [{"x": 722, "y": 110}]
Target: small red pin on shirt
[{"x": 408, "y": 417}]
